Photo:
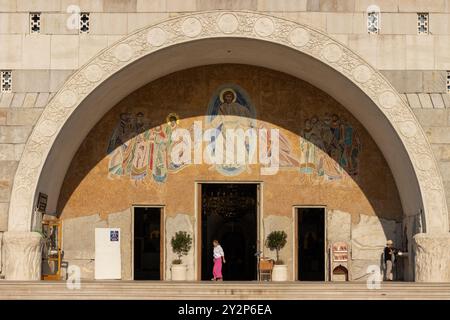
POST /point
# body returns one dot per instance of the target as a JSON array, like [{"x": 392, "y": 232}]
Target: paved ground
[{"x": 101, "y": 290}]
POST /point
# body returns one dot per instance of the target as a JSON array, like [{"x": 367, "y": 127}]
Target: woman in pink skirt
[{"x": 219, "y": 255}]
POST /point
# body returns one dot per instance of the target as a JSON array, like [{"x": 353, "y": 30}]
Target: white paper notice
[{"x": 107, "y": 253}]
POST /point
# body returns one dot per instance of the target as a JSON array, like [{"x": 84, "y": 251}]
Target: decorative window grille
[
  {"x": 422, "y": 23},
  {"x": 373, "y": 19},
  {"x": 6, "y": 80},
  {"x": 35, "y": 22},
  {"x": 372, "y": 22},
  {"x": 448, "y": 81},
  {"x": 84, "y": 22}
]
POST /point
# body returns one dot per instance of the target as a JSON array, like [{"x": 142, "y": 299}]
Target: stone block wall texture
[{"x": 415, "y": 64}]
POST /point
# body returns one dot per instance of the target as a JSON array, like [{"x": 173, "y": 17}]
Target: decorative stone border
[{"x": 216, "y": 24}]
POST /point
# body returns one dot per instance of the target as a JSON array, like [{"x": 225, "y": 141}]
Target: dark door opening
[
  {"x": 311, "y": 244},
  {"x": 229, "y": 214},
  {"x": 147, "y": 243}
]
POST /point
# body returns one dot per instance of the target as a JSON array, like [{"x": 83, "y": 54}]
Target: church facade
[{"x": 326, "y": 121}]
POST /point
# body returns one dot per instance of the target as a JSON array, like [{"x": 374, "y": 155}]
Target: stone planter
[
  {"x": 280, "y": 272},
  {"x": 179, "y": 272}
]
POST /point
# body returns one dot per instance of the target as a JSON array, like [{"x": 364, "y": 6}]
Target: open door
[
  {"x": 311, "y": 244},
  {"x": 148, "y": 243},
  {"x": 229, "y": 214}
]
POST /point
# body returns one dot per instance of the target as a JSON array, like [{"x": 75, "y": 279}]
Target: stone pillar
[
  {"x": 23, "y": 255},
  {"x": 432, "y": 257}
]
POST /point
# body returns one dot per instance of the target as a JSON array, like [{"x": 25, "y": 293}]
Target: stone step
[{"x": 226, "y": 290}]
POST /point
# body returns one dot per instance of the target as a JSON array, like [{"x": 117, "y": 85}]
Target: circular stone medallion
[
  {"x": 332, "y": 52},
  {"x": 123, "y": 52},
  {"x": 299, "y": 37},
  {"x": 424, "y": 162},
  {"x": 228, "y": 23},
  {"x": 264, "y": 27},
  {"x": 362, "y": 74},
  {"x": 156, "y": 37},
  {"x": 68, "y": 98},
  {"x": 93, "y": 73},
  {"x": 191, "y": 27},
  {"x": 388, "y": 99},
  {"x": 47, "y": 128},
  {"x": 408, "y": 129}
]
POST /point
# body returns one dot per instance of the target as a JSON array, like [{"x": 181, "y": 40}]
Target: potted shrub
[
  {"x": 276, "y": 240},
  {"x": 181, "y": 244}
]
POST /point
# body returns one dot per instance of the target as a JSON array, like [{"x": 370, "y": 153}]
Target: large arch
[{"x": 221, "y": 37}]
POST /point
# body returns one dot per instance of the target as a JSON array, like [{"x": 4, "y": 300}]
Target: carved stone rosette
[
  {"x": 23, "y": 255},
  {"x": 432, "y": 257}
]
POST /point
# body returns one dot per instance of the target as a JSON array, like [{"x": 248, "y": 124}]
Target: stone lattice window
[
  {"x": 373, "y": 25},
  {"x": 422, "y": 23},
  {"x": 35, "y": 22},
  {"x": 448, "y": 81},
  {"x": 6, "y": 80},
  {"x": 373, "y": 19},
  {"x": 84, "y": 22}
]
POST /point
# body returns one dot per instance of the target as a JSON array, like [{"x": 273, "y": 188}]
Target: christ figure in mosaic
[{"x": 229, "y": 111}]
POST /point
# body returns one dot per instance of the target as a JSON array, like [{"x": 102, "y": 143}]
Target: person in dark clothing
[{"x": 390, "y": 254}]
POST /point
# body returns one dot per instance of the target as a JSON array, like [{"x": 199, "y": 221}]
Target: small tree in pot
[
  {"x": 276, "y": 240},
  {"x": 181, "y": 244}
]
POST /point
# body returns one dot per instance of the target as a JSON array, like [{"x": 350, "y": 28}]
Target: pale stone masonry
[{"x": 416, "y": 65}]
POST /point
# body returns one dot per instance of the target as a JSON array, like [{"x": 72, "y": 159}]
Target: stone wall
[
  {"x": 79, "y": 241},
  {"x": 396, "y": 47}
]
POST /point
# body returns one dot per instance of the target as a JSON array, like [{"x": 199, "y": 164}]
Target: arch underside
[{"x": 228, "y": 37}]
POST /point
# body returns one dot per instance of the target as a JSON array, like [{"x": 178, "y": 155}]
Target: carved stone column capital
[
  {"x": 23, "y": 255},
  {"x": 432, "y": 257}
]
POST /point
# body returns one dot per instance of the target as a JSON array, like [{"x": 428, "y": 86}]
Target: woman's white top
[{"x": 218, "y": 252}]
